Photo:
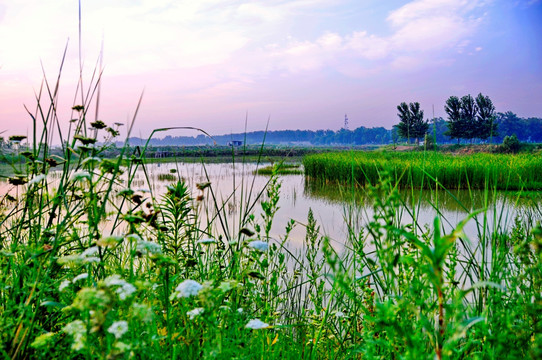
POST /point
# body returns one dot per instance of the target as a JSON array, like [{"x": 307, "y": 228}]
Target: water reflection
[{"x": 337, "y": 209}]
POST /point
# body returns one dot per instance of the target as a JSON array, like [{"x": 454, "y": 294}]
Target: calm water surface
[{"x": 335, "y": 208}]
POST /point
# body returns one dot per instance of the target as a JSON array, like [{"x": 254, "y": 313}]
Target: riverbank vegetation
[
  {"x": 91, "y": 267},
  {"x": 429, "y": 169}
]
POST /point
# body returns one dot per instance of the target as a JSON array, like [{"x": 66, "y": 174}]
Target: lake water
[{"x": 335, "y": 208}]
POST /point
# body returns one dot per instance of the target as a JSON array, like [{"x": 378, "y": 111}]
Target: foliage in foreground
[{"x": 92, "y": 268}]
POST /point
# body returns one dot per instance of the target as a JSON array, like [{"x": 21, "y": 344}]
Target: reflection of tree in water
[{"x": 452, "y": 200}]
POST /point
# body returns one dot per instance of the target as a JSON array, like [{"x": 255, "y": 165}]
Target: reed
[{"x": 429, "y": 169}]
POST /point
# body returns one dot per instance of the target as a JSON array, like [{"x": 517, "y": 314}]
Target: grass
[
  {"x": 280, "y": 168},
  {"x": 92, "y": 268},
  {"x": 419, "y": 170}
]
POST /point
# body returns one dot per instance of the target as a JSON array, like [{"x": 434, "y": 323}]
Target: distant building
[{"x": 235, "y": 143}]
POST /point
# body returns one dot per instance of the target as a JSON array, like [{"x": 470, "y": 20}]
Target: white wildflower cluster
[
  {"x": 259, "y": 245},
  {"x": 80, "y": 175},
  {"x": 88, "y": 256},
  {"x": 256, "y": 324},
  {"x": 188, "y": 288},
  {"x": 110, "y": 241},
  {"x": 64, "y": 284},
  {"x": 194, "y": 312},
  {"x": 124, "y": 289},
  {"x": 80, "y": 277},
  {"x": 78, "y": 331},
  {"x": 91, "y": 159},
  {"x": 142, "y": 312},
  {"x": 118, "y": 328},
  {"x": 145, "y": 247},
  {"x": 37, "y": 179},
  {"x": 206, "y": 241}
]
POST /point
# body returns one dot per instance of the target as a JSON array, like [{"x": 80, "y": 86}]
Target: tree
[
  {"x": 456, "y": 126},
  {"x": 411, "y": 123},
  {"x": 419, "y": 126},
  {"x": 404, "y": 128},
  {"x": 510, "y": 124},
  {"x": 485, "y": 119},
  {"x": 469, "y": 109},
  {"x": 470, "y": 118}
]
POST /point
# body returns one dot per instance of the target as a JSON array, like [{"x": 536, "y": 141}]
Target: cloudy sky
[{"x": 302, "y": 64}]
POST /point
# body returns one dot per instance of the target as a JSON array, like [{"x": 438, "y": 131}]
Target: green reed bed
[
  {"x": 416, "y": 169},
  {"x": 280, "y": 169}
]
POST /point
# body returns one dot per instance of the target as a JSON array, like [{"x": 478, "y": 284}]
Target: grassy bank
[{"x": 417, "y": 169}]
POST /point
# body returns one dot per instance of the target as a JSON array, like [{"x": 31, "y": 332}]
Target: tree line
[{"x": 468, "y": 118}]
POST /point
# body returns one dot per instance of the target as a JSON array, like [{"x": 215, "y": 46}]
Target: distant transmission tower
[{"x": 345, "y": 122}]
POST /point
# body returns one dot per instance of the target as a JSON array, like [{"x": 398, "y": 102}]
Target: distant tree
[
  {"x": 456, "y": 126},
  {"x": 411, "y": 124},
  {"x": 534, "y": 129},
  {"x": 470, "y": 118},
  {"x": 510, "y": 124},
  {"x": 404, "y": 128},
  {"x": 420, "y": 126},
  {"x": 485, "y": 119},
  {"x": 469, "y": 109}
]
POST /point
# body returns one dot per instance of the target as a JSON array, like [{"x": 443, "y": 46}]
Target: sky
[{"x": 230, "y": 65}]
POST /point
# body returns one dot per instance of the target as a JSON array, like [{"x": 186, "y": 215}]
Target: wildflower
[
  {"x": 52, "y": 162},
  {"x": 240, "y": 310},
  {"x": 256, "y": 324},
  {"x": 142, "y": 311},
  {"x": 98, "y": 124},
  {"x": 202, "y": 186},
  {"x": 87, "y": 255},
  {"x": 122, "y": 347},
  {"x": 64, "y": 285},
  {"x": 43, "y": 340},
  {"x": 85, "y": 140},
  {"x": 113, "y": 280},
  {"x": 124, "y": 290},
  {"x": 339, "y": 314},
  {"x": 17, "y": 138},
  {"x": 109, "y": 241},
  {"x": 91, "y": 159},
  {"x": 80, "y": 277},
  {"x": 259, "y": 245},
  {"x": 194, "y": 312},
  {"x": 206, "y": 241},
  {"x": 226, "y": 286},
  {"x": 188, "y": 288},
  {"x": 80, "y": 175},
  {"x": 147, "y": 247},
  {"x": 118, "y": 328},
  {"x": 37, "y": 179},
  {"x": 17, "y": 180},
  {"x": 78, "y": 331}
]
